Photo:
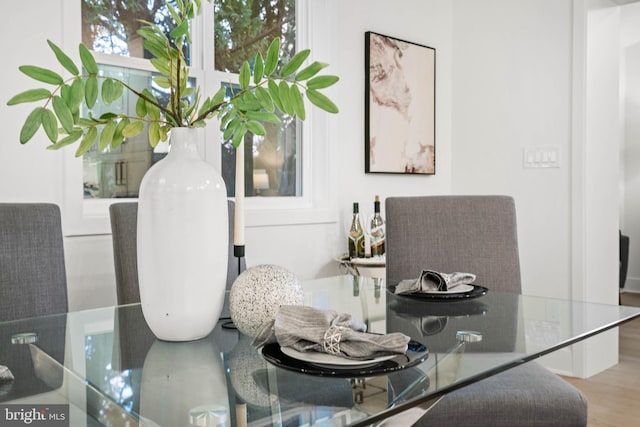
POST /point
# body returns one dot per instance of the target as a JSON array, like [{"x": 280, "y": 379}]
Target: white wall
[
  {"x": 512, "y": 90},
  {"x": 630, "y": 154},
  {"x": 514, "y": 71}
]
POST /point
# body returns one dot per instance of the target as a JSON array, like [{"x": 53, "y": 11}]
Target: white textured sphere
[{"x": 258, "y": 293}]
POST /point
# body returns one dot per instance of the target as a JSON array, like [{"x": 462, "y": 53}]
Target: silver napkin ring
[{"x": 332, "y": 337}]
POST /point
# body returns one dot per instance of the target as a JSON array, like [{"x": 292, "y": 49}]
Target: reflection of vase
[
  {"x": 184, "y": 384},
  {"x": 182, "y": 242}
]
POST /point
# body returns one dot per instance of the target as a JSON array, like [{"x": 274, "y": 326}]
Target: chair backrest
[
  {"x": 473, "y": 234},
  {"x": 33, "y": 279},
  {"x": 124, "y": 219}
]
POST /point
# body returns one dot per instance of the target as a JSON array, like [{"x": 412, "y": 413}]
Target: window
[
  {"x": 109, "y": 28},
  {"x": 272, "y": 163},
  {"x": 295, "y": 180}
]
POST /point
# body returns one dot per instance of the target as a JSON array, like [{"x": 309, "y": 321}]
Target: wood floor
[{"x": 614, "y": 395}]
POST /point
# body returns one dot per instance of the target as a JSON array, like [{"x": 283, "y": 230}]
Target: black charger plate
[{"x": 416, "y": 354}]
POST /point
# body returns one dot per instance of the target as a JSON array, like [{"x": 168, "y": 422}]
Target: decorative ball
[{"x": 257, "y": 294}]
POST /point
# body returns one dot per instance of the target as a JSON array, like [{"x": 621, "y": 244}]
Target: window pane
[
  {"x": 244, "y": 27},
  {"x": 109, "y": 26},
  {"x": 117, "y": 172},
  {"x": 271, "y": 161}
]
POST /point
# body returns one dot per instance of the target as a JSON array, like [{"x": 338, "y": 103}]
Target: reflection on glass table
[{"x": 110, "y": 369}]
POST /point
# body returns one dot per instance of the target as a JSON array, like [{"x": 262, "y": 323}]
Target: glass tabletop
[{"x": 107, "y": 366}]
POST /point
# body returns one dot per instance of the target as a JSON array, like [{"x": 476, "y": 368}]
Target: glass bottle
[
  {"x": 356, "y": 234},
  {"x": 377, "y": 230}
]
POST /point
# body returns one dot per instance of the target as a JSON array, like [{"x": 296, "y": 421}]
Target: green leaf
[
  {"x": 231, "y": 128},
  {"x": 258, "y": 69},
  {"x": 247, "y": 102},
  {"x": 164, "y": 133},
  {"x": 159, "y": 49},
  {"x": 226, "y": 118},
  {"x": 70, "y": 139},
  {"x": 87, "y": 141},
  {"x": 87, "y": 123},
  {"x": 111, "y": 90},
  {"x": 31, "y": 125},
  {"x": 297, "y": 103},
  {"x": 295, "y": 63},
  {"x": 154, "y": 134},
  {"x": 106, "y": 136},
  {"x": 132, "y": 129},
  {"x": 256, "y": 128},
  {"x": 283, "y": 90},
  {"x": 105, "y": 91},
  {"x": 76, "y": 94},
  {"x": 118, "y": 138},
  {"x": 322, "y": 82},
  {"x": 265, "y": 99},
  {"x": 153, "y": 111},
  {"x": 41, "y": 74},
  {"x": 204, "y": 106},
  {"x": 321, "y": 101},
  {"x": 29, "y": 96},
  {"x": 88, "y": 60},
  {"x": 272, "y": 57},
  {"x": 107, "y": 116},
  {"x": 181, "y": 30},
  {"x": 50, "y": 125},
  {"x": 245, "y": 75},
  {"x": 91, "y": 91},
  {"x": 187, "y": 92},
  {"x": 239, "y": 135},
  {"x": 64, "y": 113},
  {"x": 141, "y": 108},
  {"x": 163, "y": 82},
  {"x": 218, "y": 98},
  {"x": 118, "y": 90},
  {"x": 263, "y": 116},
  {"x": 161, "y": 65},
  {"x": 274, "y": 91},
  {"x": 63, "y": 59},
  {"x": 174, "y": 13},
  {"x": 310, "y": 71}
]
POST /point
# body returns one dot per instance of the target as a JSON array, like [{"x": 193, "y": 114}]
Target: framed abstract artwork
[{"x": 399, "y": 106}]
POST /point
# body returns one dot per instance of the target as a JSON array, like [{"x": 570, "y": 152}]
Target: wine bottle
[
  {"x": 377, "y": 230},
  {"x": 356, "y": 234}
]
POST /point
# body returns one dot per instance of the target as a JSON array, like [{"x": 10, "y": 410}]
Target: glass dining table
[{"x": 106, "y": 368}]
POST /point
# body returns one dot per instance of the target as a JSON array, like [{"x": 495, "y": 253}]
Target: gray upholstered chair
[
  {"x": 33, "y": 278},
  {"x": 124, "y": 229},
  {"x": 477, "y": 234}
]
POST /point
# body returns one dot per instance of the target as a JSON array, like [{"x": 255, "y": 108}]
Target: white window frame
[{"x": 91, "y": 216}]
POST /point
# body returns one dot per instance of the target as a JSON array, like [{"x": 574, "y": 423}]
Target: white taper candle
[{"x": 238, "y": 232}]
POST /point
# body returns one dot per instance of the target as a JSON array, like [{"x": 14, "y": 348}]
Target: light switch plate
[{"x": 543, "y": 156}]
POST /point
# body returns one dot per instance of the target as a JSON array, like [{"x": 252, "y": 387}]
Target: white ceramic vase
[{"x": 182, "y": 242}]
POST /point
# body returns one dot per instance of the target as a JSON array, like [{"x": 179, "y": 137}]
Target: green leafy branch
[{"x": 265, "y": 88}]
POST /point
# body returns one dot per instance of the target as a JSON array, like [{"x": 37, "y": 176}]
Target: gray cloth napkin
[
  {"x": 430, "y": 281},
  {"x": 310, "y": 329},
  {"x": 5, "y": 374}
]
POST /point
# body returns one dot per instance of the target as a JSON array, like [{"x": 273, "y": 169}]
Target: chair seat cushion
[{"x": 513, "y": 397}]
